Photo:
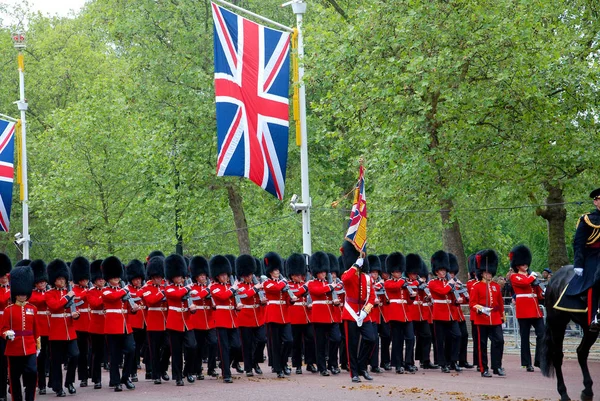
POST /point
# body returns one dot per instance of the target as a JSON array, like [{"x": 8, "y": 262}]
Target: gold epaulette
[{"x": 586, "y": 218}]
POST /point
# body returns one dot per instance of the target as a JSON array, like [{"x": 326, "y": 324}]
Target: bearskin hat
[
  {"x": 349, "y": 255},
  {"x": 155, "y": 267},
  {"x": 374, "y": 263},
  {"x": 39, "y": 271},
  {"x": 472, "y": 265},
  {"x": 245, "y": 265},
  {"x": 334, "y": 266},
  {"x": 219, "y": 264},
  {"x": 153, "y": 254},
  {"x": 57, "y": 268},
  {"x": 453, "y": 266},
  {"x": 21, "y": 282},
  {"x": 23, "y": 262},
  {"x": 231, "y": 259},
  {"x": 382, "y": 259},
  {"x": 296, "y": 264},
  {"x": 95, "y": 270},
  {"x": 198, "y": 266},
  {"x": 135, "y": 269},
  {"x": 111, "y": 268},
  {"x": 259, "y": 268},
  {"x": 519, "y": 255},
  {"x": 273, "y": 262},
  {"x": 175, "y": 266},
  {"x": 413, "y": 263},
  {"x": 424, "y": 272},
  {"x": 5, "y": 264},
  {"x": 319, "y": 262},
  {"x": 395, "y": 262},
  {"x": 80, "y": 269},
  {"x": 439, "y": 260},
  {"x": 487, "y": 260}
]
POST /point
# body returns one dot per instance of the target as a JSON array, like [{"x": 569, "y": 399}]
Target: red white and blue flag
[
  {"x": 357, "y": 228},
  {"x": 7, "y": 155},
  {"x": 252, "y": 78}
]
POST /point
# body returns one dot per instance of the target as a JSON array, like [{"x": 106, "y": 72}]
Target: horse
[{"x": 551, "y": 355}]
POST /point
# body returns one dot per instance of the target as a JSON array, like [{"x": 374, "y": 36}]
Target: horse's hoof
[
  {"x": 565, "y": 397},
  {"x": 587, "y": 397}
]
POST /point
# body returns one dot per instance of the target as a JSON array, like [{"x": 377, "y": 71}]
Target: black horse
[{"x": 556, "y": 325}]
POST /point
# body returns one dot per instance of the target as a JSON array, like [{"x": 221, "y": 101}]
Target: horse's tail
[{"x": 548, "y": 348}]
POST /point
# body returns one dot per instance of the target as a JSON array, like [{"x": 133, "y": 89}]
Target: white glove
[
  {"x": 359, "y": 262},
  {"x": 10, "y": 335},
  {"x": 37, "y": 352},
  {"x": 486, "y": 311},
  {"x": 578, "y": 271},
  {"x": 193, "y": 292}
]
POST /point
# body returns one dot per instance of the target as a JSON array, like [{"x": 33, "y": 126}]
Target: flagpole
[
  {"x": 260, "y": 17},
  {"x": 19, "y": 43}
]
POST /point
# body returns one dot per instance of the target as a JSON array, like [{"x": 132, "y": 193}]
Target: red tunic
[
  {"x": 415, "y": 310},
  {"x": 338, "y": 310},
  {"x": 94, "y": 298},
  {"x": 251, "y": 314},
  {"x": 470, "y": 285},
  {"x": 156, "y": 304},
  {"x": 116, "y": 321},
  {"x": 323, "y": 310},
  {"x": 61, "y": 322},
  {"x": 488, "y": 295},
  {"x": 442, "y": 299},
  {"x": 299, "y": 312},
  {"x": 4, "y": 297},
  {"x": 42, "y": 317},
  {"x": 225, "y": 313},
  {"x": 277, "y": 301},
  {"x": 137, "y": 320},
  {"x": 353, "y": 300},
  {"x": 179, "y": 317},
  {"x": 21, "y": 320},
  {"x": 397, "y": 309},
  {"x": 203, "y": 318},
  {"x": 526, "y": 304},
  {"x": 83, "y": 323}
]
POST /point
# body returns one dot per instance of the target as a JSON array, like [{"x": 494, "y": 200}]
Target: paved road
[{"x": 518, "y": 385}]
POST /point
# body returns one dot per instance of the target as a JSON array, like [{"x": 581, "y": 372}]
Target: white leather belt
[
  {"x": 319, "y": 302},
  {"x": 250, "y": 306},
  {"x": 97, "y": 312},
  {"x": 418, "y": 302},
  {"x": 526, "y": 295},
  {"x": 42, "y": 312},
  {"x": 115, "y": 310},
  {"x": 442, "y": 301},
  {"x": 2, "y": 312},
  {"x": 60, "y": 315},
  {"x": 398, "y": 301},
  {"x": 85, "y": 310},
  {"x": 157, "y": 309},
  {"x": 225, "y": 307},
  {"x": 426, "y": 304},
  {"x": 276, "y": 302},
  {"x": 176, "y": 309},
  {"x": 300, "y": 303},
  {"x": 202, "y": 307}
]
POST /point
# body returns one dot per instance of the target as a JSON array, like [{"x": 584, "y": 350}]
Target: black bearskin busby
[
  {"x": 487, "y": 260},
  {"x": 231, "y": 259},
  {"x": 175, "y": 266},
  {"x": 395, "y": 262},
  {"x": 349, "y": 255},
  {"x": 439, "y": 260},
  {"x": 153, "y": 254},
  {"x": 218, "y": 265},
  {"x": 135, "y": 269},
  {"x": 319, "y": 262},
  {"x": 273, "y": 262},
  {"x": 80, "y": 269},
  {"x": 519, "y": 255},
  {"x": 5, "y": 265},
  {"x": 424, "y": 272},
  {"x": 334, "y": 266},
  {"x": 23, "y": 262},
  {"x": 39, "y": 271},
  {"x": 453, "y": 263},
  {"x": 382, "y": 258},
  {"x": 472, "y": 266},
  {"x": 296, "y": 265},
  {"x": 21, "y": 282},
  {"x": 96, "y": 270},
  {"x": 245, "y": 265},
  {"x": 413, "y": 263},
  {"x": 155, "y": 267},
  {"x": 259, "y": 268},
  {"x": 57, "y": 268},
  {"x": 111, "y": 268},
  {"x": 374, "y": 263},
  {"x": 199, "y": 266}
]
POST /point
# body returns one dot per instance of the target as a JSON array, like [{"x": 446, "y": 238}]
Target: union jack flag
[
  {"x": 7, "y": 154},
  {"x": 357, "y": 228},
  {"x": 252, "y": 77}
]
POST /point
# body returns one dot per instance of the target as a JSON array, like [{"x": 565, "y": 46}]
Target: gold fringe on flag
[
  {"x": 19, "y": 157},
  {"x": 296, "y": 77}
]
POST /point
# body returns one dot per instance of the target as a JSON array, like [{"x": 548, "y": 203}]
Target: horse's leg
[
  {"x": 558, "y": 328},
  {"x": 583, "y": 351}
]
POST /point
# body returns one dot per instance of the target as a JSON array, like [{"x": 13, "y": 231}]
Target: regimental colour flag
[
  {"x": 7, "y": 155},
  {"x": 357, "y": 228},
  {"x": 252, "y": 78}
]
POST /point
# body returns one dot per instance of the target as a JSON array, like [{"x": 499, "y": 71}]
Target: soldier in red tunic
[
  {"x": 460, "y": 317},
  {"x": 42, "y": 318},
  {"x": 5, "y": 267},
  {"x": 80, "y": 274},
  {"x": 20, "y": 330},
  {"x": 487, "y": 305},
  {"x": 62, "y": 338},
  {"x": 528, "y": 312},
  {"x": 96, "y": 326},
  {"x": 135, "y": 277},
  {"x": 470, "y": 283},
  {"x": 377, "y": 315}
]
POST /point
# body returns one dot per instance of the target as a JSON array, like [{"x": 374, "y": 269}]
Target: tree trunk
[
  {"x": 239, "y": 217},
  {"x": 556, "y": 215},
  {"x": 452, "y": 238}
]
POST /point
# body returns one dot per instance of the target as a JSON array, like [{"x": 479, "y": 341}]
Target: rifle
[
  {"x": 187, "y": 297},
  {"x": 71, "y": 304},
  {"x": 538, "y": 283},
  {"x": 236, "y": 296},
  {"x": 411, "y": 288},
  {"x": 455, "y": 291},
  {"x": 127, "y": 297},
  {"x": 308, "y": 297},
  {"x": 287, "y": 288},
  {"x": 261, "y": 293},
  {"x": 383, "y": 291},
  {"x": 330, "y": 281}
]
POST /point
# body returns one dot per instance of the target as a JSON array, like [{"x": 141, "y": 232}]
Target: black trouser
[
  {"x": 343, "y": 349},
  {"x": 475, "y": 335},
  {"x": 374, "y": 357},
  {"x": 26, "y": 367},
  {"x": 3, "y": 368},
  {"x": 159, "y": 352},
  {"x": 121, "y": 347},
  {"x": 251, "y": 338},
  {"x": 446, "y": 332},
  {"x": 463, "y": 344},
  {"x": 423, "y": 341},
  {"x": 139, "y": 337},
  {"x": 324, "y": 333},
  {"x": 403, "y": 337},
  {"x": 525, "y": 326},
  {"x": 303, "y": 338},
  {"x": 61, "y": 351},
  {"x": 83, "y": 344},
  {"x": 41, "y": 362},
  {"x": 494, "y": 333},
  {"x": 385, "y": 334},
  {"x": 358, "y": 348},
  {"x": 228, "y": 339},
  {"x": 97, "y": 356},
  {"x": 280, "y": 340},
  {"x": 434, "y": 342},
  {"x": 208, "y": 339},
  {"x": 259, "y": 346},
  {"x": 181, "y": 342}
]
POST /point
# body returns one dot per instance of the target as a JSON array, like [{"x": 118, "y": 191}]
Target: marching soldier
[
  {"x": 470, "y": 283},
  {"x": 236, "y": 353},
  {"x": 385, "y": 332},
  {"x": 5, "y": 268},
  {"x": 96, "y": 326},
  {"x": 250, "y": 318},
  {"x": 19, "y": 328},
  {"x": 224, "y": 292},
  {"x": 42, "y": 318},
  {"x": 377, "y": 313},
  {"x": 527, "y": 307},
  {"x": 80, "y": 273},
  {"x": 334, "y": 269},
  {"x": 460, "y": 317},
  {"x": 135, "y": 276},
  {"x": 488, "y": 307}
]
